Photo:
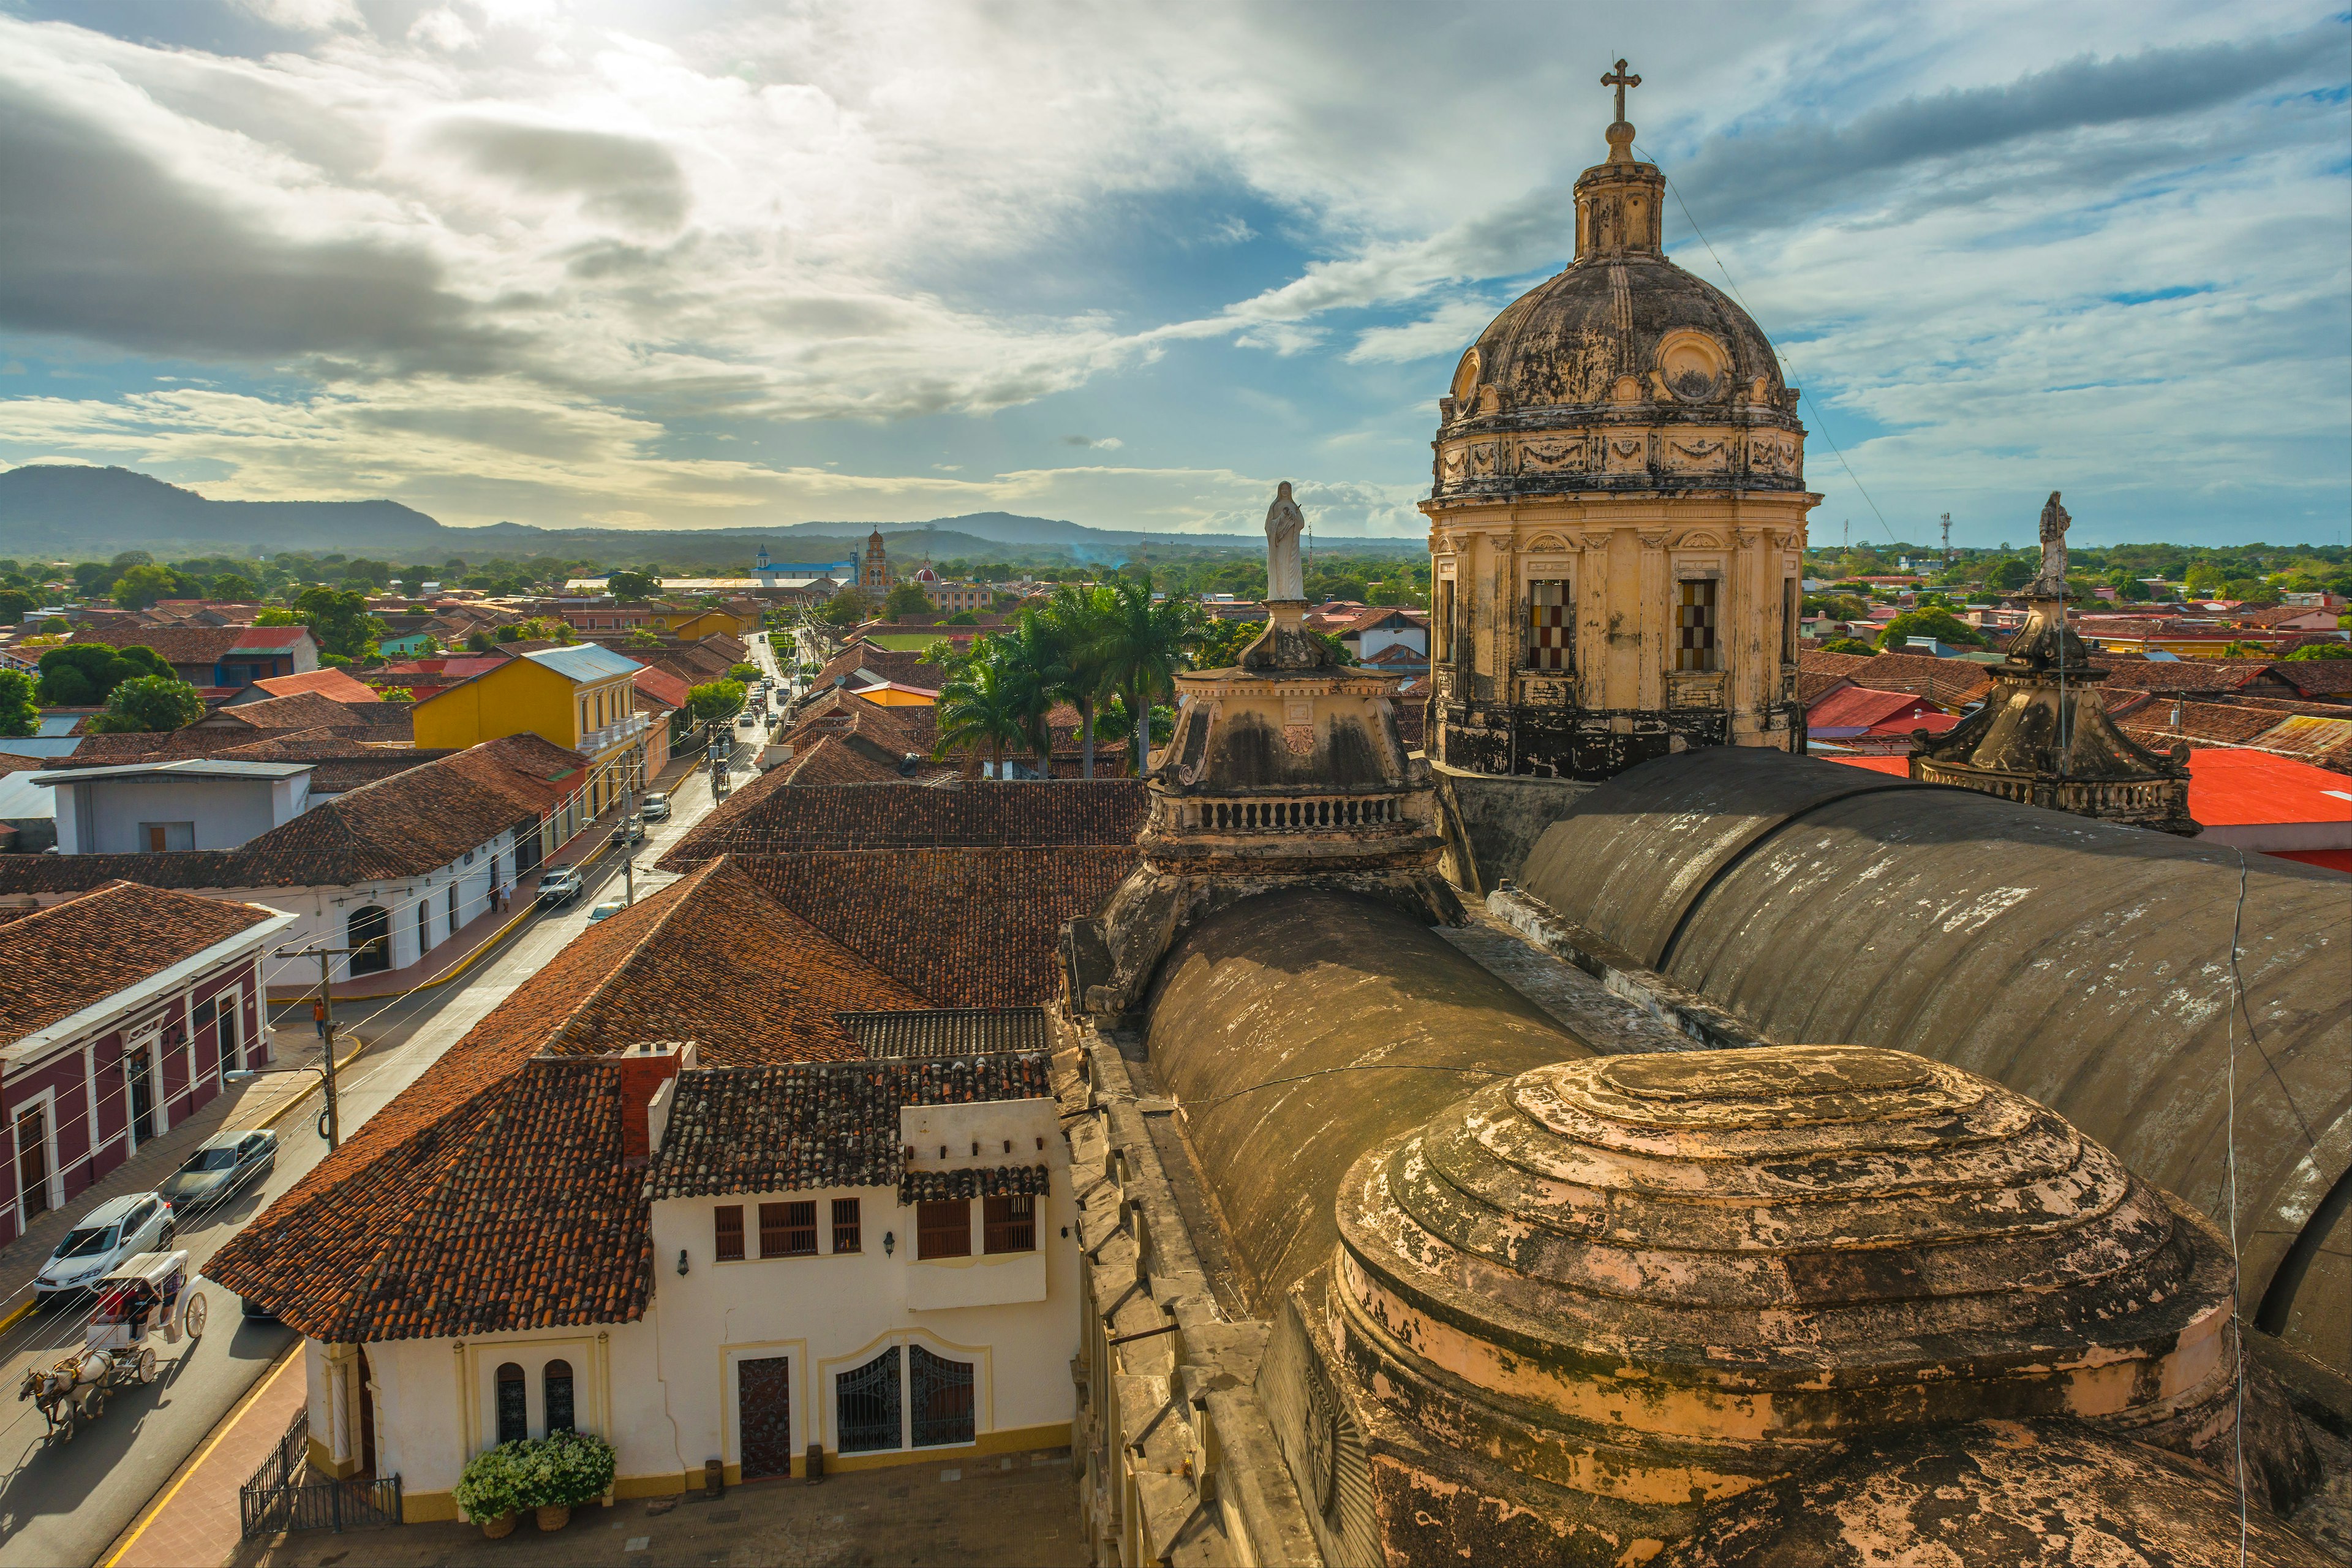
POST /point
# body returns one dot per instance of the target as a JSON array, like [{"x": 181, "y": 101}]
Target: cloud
[
  {"x": 303, "y": 16},
  {"x": 1105, "y": 443},
  {"x": 1444, "y": 330},
  {"x": 630, "y": 178}
]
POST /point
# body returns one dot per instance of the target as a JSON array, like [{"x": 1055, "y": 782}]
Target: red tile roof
[
  {"x": 960, "y": 928},
  {"x": 661, "y": 686},
  {"x": 76, "y": 954},
  {"x": 1857, "y": 708},
  {"x": 313, "y": 710},
  {"x": 898, "y": 816},
  {"x": 2330, "y": 678},
  {"x": 1949, "y": 683},
  {"x": 190, "y": 644},
  {"x": 328, "y": 682}
]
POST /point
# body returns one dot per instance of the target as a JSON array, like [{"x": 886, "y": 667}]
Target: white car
[
  {"x": 605, "y": 911},
  {"x": 116, "y": 1229}
]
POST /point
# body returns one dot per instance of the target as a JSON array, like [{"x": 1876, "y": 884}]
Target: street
[{"x": 66, "y": 1505}]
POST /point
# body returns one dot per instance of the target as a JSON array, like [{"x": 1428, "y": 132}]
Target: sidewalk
[
  {"x": 194, "y": 1521},
  {"x": 256, "y": 1102}
]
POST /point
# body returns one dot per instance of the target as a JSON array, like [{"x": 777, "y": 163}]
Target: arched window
[
  {"x": 371, "y": 923},
  {"x": 557, "y": 1383},
  {"x": 514, "y": 1405}
]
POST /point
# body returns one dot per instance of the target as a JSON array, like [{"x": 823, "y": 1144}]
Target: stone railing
[{"x": 1285, "y": 814}]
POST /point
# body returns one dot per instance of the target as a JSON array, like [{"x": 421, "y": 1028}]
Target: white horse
[{"x": 68, "y": 1393}]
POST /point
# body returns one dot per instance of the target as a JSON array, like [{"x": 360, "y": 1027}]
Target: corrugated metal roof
[
  {"x": 949, "y": 1031},
  {"x": 582, "y": 662},
  {"x": 184, "y": 767}
]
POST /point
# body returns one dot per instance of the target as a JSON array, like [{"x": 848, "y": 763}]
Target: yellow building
[
  {"x": 702, "y": 622},
  {"x": 1618, "y": 518},
  {"x": 582, "y": 698}
]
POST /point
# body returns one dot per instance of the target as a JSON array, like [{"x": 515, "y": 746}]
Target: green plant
[
  {"x": 1941, "y": 624},
  {"x": 397, "y": 694},
  {"x": 148, "y": 702},
  {"x": 490, "y": 1486},
  {"x": 632, "y": 587},
  {"x": 76, "y": 675},
  {"x": 2309, "y": 650},
  {"x": 1849, "y": 644},
  {"x": 567, "y": 1469},
  {"x": 714, "y": 700},
  {"x": 19, "y": 714},
  {"x": 1144, "y": 643},
  {"x": 907, "y": 601},
  {"x": 746, "y": 673}
]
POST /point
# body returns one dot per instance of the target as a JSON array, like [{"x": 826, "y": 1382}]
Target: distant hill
[{"x": 61, "y": 510}]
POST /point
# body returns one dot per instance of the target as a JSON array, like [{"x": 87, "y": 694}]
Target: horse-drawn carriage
[{"x": 145, "y": 1294}]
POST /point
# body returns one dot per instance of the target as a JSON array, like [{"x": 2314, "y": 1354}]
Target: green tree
[
  {"x": 632, "y": 587},
  {"x": 908, "y": 602},
  {"x": 1117, "y": 727},
  {"x": 847, "y": 607},
  {"x": 990, "y": 701},
  {"x": 1848, "y": 645},
  {"x": 2007, "y": 576},
  {"x": 20, "y": 713},
  {"x": 233, "y": 589},
  {"x": 645, "y": 636},
  {"x": 149, "y": 702},
  {"x": 745, "y": 673},
  {"x": 340, "y": 620},
  {"x": 714, "y": 700},
  {"x": 395, "y": 694},
  {"x": 142, "y": 586},
  {"x": 1941, "y": 624},
  {"x": 83, "y": 675},
  {"x": 2308, "y": 650},
  {"x": 478, "y": 641},
  {"x": 1144, "y": 642},
  {"x": 14, "y": 603},
  {"x": 1080, "y": 618}
]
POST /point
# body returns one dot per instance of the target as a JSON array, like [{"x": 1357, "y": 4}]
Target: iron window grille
[
  {"x": 866, "y": 1411},
  {"x": 788, "y": 1231},
  {"x": 514, "y": 1405},
  {"x": 1695, "y": 623},
  {"x": 556, "y": 1382},
  {"x": 943, "y": 1402},
  {"x": 727, "y": 1227},
  {"x": 1549, "y": 625},
  {"x": 1010, "y": 1224},
  {"x": 943, "y": 1228},
  {"x": 848, "y": 1230}
]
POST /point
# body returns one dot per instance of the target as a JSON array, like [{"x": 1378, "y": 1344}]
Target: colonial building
[
  {"x": 580, "y": 698},
  {"x": 1617, "y": 514},
  {"x": 873, "y": 575}
]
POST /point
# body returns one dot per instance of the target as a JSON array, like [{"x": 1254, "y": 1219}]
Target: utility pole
[
  {"x": 326, "y": 1015},
  {"x": 629, "y": 877}
]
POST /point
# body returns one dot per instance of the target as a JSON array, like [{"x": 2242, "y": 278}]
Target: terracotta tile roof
[
  {"x": 960, "y": 928},
  {"x": 2330, "y": 678},
  {"x": 312, "y": 710},
  {"x": 493, "y": 1194},
  {"x": 1857, "y": 708},
  {"x": 76, "y": 954},
  {"x": 189, "y": 643},
  {"x": 661, "y": 686},
  {"x": 835, "y": 761},
  {"x": 10, "y": 762},
  {"x": 799, "y": 1126},
  {"x": 414, "y": 822},
  {"x": 896, "y": 730},
  {"x": 1374, "y": 615},
  {"x": 2200, "y": 723},
  {"x": 328, "y": 682},
  {"x": 1946, "y": 682},
  {"x": 1813, "y": 685},
  {"x": 898, "y": 816},
  {"x": 904, "y": 667},
  {"x": 2183, "y": 677},
  {"x": 951, "y": 1031}
]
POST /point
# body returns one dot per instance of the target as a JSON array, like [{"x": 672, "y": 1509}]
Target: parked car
[
  {"x": 605, "y": 911},
  {"x": 558, "y": 886},
  {"x": 224, "y": 1166},
  {"x": 743, "y": 720},
  {"x": 116, "y": 1229},
  {"x": 629, "y": 830},
  {"x": 656, "y": 808}
]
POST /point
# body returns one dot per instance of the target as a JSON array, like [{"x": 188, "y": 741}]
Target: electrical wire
[
  {"x": 1820, "y": 424},
  {"x": 2229, "y": 1148}
]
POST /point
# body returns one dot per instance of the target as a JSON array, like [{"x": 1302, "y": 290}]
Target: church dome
[{"x": 1621, "y": 372}]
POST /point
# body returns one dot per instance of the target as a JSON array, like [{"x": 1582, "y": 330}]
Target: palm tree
[
  {"x": 1033, "y": 655},
  {"x": 1143, "y": 646},
  {"x": 1078, "y": 616},
  {"x": 983, "y": 704}
]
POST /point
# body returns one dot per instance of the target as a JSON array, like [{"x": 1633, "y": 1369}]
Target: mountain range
[{"x": 61, "y": 510}]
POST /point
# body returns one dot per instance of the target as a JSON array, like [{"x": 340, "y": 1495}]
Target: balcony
[{"x": 596, "y": 743}]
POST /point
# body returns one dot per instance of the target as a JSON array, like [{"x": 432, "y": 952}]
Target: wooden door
[
  {"x": 32, "y": 1161},
  {"x": 763, "y": 1397}
]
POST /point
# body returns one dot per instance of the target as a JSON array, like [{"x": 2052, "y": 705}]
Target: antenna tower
[{"x": 1947, "y": 539}]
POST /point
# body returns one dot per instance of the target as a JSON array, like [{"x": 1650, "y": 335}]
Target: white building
[{"x": 195, "y": 803}]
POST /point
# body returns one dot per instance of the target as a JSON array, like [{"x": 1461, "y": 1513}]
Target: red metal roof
[{"x": 2229, "y": 787}]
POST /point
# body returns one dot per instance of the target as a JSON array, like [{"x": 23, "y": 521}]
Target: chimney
[{"x": 648, "y": 1072}]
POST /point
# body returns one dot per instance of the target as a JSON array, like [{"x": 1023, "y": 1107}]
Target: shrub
[
  {"x": 490, "y": 1486},
  {"x": 570, "y": 1468},
  {"x": 1849, "y": 644}
]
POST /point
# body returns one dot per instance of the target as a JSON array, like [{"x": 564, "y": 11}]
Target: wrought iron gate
[
  {"x": 763, "y": 1398},
  {"x": 942, "y": 1398},
  {"x": 866, "y": 1404},
  {"x": 277, "y": 1499}
]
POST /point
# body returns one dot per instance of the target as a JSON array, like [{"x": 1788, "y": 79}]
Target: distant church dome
[
  {"x": 924, "y": 574},
  {"x": 1623, "y": 372}
]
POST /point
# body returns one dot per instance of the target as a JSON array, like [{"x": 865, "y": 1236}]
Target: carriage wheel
[
  {"x": 146, "y": 1363},
  {"x": 192, "y": 1315}
]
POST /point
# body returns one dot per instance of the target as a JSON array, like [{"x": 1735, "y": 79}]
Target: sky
[{"x": 690, "y": 263}]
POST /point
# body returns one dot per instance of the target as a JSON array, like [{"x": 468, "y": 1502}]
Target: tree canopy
[
  {"x": 149, "y": 702},
  {"x": 83, "y": 675}
]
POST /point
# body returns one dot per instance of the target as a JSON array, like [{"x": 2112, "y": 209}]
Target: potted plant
[
  {"x": 565, "y": 1470},
  {"x": 489, "y": 1489}
]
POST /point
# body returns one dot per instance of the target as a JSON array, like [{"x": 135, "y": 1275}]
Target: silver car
[
  {"x": 226, "y": 1166},
  {"x": 116, "y": 1229}
]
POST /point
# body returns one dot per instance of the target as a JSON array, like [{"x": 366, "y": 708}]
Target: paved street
[{"x": 66, "y": 1505}]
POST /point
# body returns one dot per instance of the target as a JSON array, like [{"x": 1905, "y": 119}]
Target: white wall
[
  {"x": 102, "y": 816},
  {"x": 1374, "y": 639}
]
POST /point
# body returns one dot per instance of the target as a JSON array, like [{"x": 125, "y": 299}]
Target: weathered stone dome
[{"x": 1661, "y": 1280}]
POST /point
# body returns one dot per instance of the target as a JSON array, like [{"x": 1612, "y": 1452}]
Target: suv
[
  {"x": 558, "y": 886},
  {"x": 656, "y": 808},
  {"x": 116, "y": 1229}
]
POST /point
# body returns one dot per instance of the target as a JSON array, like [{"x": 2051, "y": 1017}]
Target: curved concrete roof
[
  {"x": 1297, "y": 1030},
  {"x": 2084, "y": 965}
]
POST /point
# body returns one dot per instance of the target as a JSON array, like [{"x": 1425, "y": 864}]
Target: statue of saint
[
  {"x": 2054, "y": 519},
  {"x": 1286, "y": 577}
]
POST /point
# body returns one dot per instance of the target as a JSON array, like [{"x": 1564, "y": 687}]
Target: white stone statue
[
  {"x": 1286, "y": 576},
  {"x": 2055, "y": 519}
]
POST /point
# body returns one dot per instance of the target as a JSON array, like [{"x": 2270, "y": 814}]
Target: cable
[
  {"x": 1820, "y": 424},
  {"x": 1358, "y": 1067},
  {"x": 2229, "y": 1148}
]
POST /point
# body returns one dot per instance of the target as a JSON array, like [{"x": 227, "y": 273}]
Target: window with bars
[
  {"x": 943, "y": 1228},
  {"x": 1009, "y": 1223},
  {"x": 1694, "y": 626},
  {"x": 788, "y": 1231},
  {"x": 1549, "y": 625},
  {"x": 513, "y": 1404},
  {"x": 555, "y": 1381},
  {"x": 848, "y": 1231},
  {"x": 727, "y": 1231},
  {"x": 942, "y": 1405}
]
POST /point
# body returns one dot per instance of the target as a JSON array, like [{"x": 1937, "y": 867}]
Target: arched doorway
[{"x": 371, "y": 924}]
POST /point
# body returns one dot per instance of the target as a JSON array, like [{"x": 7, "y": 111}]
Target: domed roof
[
  {"x": 1570, "y": 339},
  {"x": 1666, "y": 1278},
  {"x": 924, "y": 574}
]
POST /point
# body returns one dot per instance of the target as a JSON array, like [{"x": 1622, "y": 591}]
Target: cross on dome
[{"x": 1621, "y": 81}]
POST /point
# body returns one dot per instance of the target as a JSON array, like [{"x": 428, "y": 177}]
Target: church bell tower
[{"x": 1617, "y": 512}]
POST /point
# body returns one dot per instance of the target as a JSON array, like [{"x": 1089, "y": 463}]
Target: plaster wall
[{"x": 103, "y": 817}]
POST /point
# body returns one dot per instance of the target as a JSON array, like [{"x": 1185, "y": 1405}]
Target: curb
[
  {"x": 122, "y": 1544},
  {"x": 23, "y": 1310},
  {"x": 291, "y": 1106}
]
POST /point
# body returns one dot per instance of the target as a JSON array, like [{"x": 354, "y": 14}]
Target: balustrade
[{"x": 1311, "y": 813}]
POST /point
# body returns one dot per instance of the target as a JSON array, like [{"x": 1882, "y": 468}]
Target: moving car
[
  {"x": 744, "y": 721},
  {"x": 558, "y": 886},
  {"x": 224, "y": 1166},
  {"x": 605, "y": 911},
  {"x": 656, "y": 808},
  {"x": 629, "y": 830},
  {"x": 115, "y": 1230}
]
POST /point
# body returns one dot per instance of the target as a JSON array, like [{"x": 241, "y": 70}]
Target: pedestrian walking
[{"x": 318, "y": 1017}]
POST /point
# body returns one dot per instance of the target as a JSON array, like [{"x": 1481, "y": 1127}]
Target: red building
[{"x": 123, "y": 1008}]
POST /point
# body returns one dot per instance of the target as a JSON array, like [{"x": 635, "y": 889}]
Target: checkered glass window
[
  {"x": 1694, "y": 626},
  {"x": 1549, "y": 625}
]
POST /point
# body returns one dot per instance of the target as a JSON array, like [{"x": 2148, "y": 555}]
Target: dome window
[{"x": 1692, "y": 365}]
